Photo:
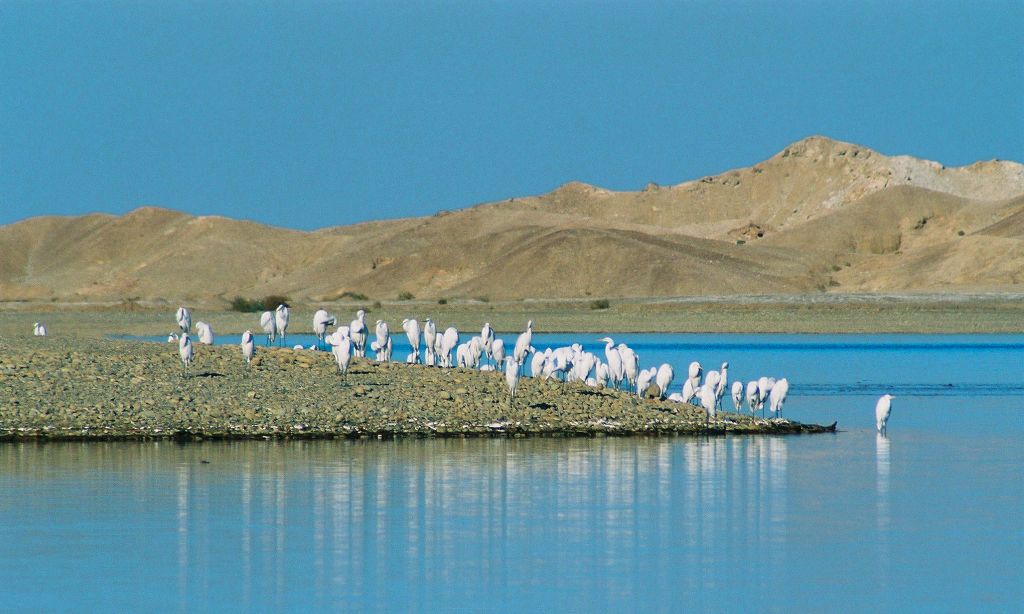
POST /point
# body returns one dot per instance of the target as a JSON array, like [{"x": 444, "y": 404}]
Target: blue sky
[{"x": 309, "y": 114}]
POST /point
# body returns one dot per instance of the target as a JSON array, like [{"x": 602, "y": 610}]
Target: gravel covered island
[{"x": 68, "y": 388}]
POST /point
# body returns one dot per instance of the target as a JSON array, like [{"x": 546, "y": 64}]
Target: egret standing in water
[
  {"x": 186, "y": 353},
  {"x": 269, "y": 325},
  {"x": 184, "y": 318},
  {"x": 882, "y": 411},
  {"x": 248, "y": 347},
  {"x": 321, "y": 320},
  {"x": 281, "y": 317}
]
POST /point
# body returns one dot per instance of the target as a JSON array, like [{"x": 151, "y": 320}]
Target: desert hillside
[{"x": 821, "y": 215}]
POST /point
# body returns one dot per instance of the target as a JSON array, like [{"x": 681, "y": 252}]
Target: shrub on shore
[
  {"x": 601, "y": 303},
  {"x": 405, "y": 296},
  {"x": 247, "y": 305}
]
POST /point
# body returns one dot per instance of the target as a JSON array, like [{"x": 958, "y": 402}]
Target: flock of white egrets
[{"x": 620, "y": 368}]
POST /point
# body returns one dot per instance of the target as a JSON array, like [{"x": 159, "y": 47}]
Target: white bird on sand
[
  {"x": 523, "y": 343},
  {"x": 693, "y": 374},
  {"x": 753, "y": 400},
  {"x": 723, "y": 383},
  {"x": 449, "y": 340},
  {"x": 664, "y": 378},
  {"x": 630, "y": 365},
  {"x": 248, "y": 347},
  {"x": 357, "y": 333},
  {"x": 708, "y": 400},
  {"x": 498, "y": 351},
  {"x": 39, "y": 330},
  {"x": 737, "y": 395},
  {"x": 643, "y": 380},
  {"x": 486, "y": 339},
  {"x": 184, "y": 318},
  {"x": 412, "y": 333},
  {"x": 882, "y": 411},
  {"x": 341, "y": 348},
  {"x": 205, "y": 333},
  {"x": 269, "y": 325},
  {"x": 688, "y": 391},
  {"x": 186, "y": 353},
  {"x": 281, "y": 317},
  {"x": 778, "y": 396},
  {"x": 382, "y": 346},
  {"x": 614, "y": 360},
  {"x": 511, "y": 378},
  {"x": 537, "y": 362},
  {"x": 321, "y": 320},
  {"x": 429, "y": 336}
]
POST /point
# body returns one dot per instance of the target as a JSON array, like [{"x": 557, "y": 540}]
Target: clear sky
[{"x": 308, "y": 114}]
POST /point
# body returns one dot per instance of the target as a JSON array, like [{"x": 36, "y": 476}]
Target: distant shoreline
[
  {"x": 825, "y": 313},
  {"x": 54, "y": 389}
]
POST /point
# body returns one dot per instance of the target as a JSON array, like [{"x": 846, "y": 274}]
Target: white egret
[
  {"x": 412, "y": 333},
  {"x": 281, "y": 317},
  {"x": 753, "y": 400},
  {"x": 186, "y": 353},
  {"x": 498, "y": 351},
  {"x": 341, "y": 348},
  {"x": 172, "y": 338},
  {"x": 357, "y": 333},
  {"x": 688, "y": 391},
  {"x": 486, "y": 339},
  {"x": 511, "y": 378},
  {"x": 737, "y": 395},
  {"x": 643, "y": 380},
  {"x": 601, "y": 374},
  {"x": 39, "y": 330},
  {"x": 462, "y": 358},
  {"x": 321, "y": 320},
  {"x": 630, "y": 365},
  {"x": 664, "y": 378},
  {"x": 269, "y": 325},
  {"x": 882, "y": 411},
  {"x": 382, "y": 345},
  {"x": 764, "y": 386},
  {"x": 708, "y": 400},
  {"x": 693, "y": 374},
  {"x": 429, "y": 336},
  {"x": 184, "y": 318},
  {"x": 778, "y": 396},
  {"x": 205, "y": 333},
  {"x": 523, "y": 342},
  {"x": 537, "y": 363},
  {"x": 248, "y": 347},
  {"x": 614, "y": 359},
  {"x": 723, "y": 384},
  {"x": 449, "y": 340}
]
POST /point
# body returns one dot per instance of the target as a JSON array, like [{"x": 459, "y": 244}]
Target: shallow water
[{"x": 927, "y": 518}]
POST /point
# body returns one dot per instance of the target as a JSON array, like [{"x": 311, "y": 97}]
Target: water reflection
[
  {"x": 882, "y": 507},
  {"x": 349, "y": 518}
]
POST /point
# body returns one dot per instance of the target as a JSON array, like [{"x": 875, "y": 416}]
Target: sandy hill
[{"x": 819, "y": 215}]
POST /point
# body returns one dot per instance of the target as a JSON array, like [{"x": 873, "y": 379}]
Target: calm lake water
[{"x": 928, "y": 518}]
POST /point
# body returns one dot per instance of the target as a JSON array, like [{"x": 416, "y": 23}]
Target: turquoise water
[{"x": 927, "y": 518}]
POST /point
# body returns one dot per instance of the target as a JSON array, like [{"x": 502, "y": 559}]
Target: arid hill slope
[{"x": 820, "y": 215}]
